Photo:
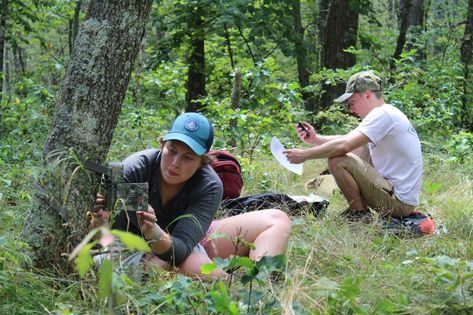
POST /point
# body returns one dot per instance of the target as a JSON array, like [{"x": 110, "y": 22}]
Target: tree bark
[
  {"x": 341, "y": 34},
  {"x": 301, "y": 56},
  {"x": 85, "y": 117},
  {"x": 466, "y": 58},
  {"x": 196, "y": 60}
]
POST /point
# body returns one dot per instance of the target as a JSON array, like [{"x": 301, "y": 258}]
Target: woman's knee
[{"x": 280, "y": 219}]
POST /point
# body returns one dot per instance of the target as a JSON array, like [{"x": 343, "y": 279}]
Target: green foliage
[
  {"x": 455, "y": 277},
  {"x": 332, "y": 267},
  {"x": 461, "y": 146}
]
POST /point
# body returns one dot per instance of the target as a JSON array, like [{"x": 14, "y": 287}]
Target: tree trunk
[
  {"x": 301, "y": 56},
  {"x": 196, "y": 60},
  {"x": 3, "y": 20},
  {"x": 341, "y": 34},
  {"x": 416, "y": 23},
  {"x": 235, "y": 103},
  {"x": 466, "y": 58},
  {"x": 411, "y": 14},
  {"x": 85, "y": 117},
  {"x": 74, "y": 25},
  {"x": 322, "y": 25}
]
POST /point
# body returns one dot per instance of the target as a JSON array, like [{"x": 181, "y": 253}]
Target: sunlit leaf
[
  {"x": 207, "y": 269},
  {"x": 132, "y": 241},
  {"x": 105, "y": 279},
  {"x": 84, "y": 260}
]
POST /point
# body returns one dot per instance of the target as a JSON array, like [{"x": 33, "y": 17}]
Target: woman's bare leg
[
  {"x": 268, "y": 230},
  {"x": 191, "y": 265}
]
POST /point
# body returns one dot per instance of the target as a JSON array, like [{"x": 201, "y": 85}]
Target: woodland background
[{"x": 102, "y": 79}]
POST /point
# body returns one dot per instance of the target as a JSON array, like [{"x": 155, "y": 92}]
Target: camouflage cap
[{"x": 360, "y": 82}]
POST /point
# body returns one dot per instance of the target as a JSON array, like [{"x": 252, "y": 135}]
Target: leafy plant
[
  {"x": 84, "y": 261},
  {"x": 461, "y": 146}
]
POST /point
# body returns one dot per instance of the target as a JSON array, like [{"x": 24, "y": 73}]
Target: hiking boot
[{"x": 363, "y": 216}]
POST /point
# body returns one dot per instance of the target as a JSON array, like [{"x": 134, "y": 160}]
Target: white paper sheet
[
  {"x": 310, "y": 198},
  {"x": 276, "y": 150}
]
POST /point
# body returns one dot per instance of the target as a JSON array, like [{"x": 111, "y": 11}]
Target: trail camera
[
  {"x": 118, "y": 194},
  {"x": 121, "y": 195}
]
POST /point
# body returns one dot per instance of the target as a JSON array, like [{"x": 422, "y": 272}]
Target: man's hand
[
  {"x": 306, "y": 132},
  {"x": 148, "y": 223},
  {"x": 295, "y": 156}
]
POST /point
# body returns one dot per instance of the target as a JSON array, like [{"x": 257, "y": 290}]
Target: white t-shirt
[{"x": 395, "y": 151}]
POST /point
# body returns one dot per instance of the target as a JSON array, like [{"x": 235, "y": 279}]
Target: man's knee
[{"x": 337, "y": 162}]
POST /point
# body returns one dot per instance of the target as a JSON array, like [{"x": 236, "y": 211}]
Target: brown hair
[
  {"x": 207, "y": 158},
  {"x": 378, "y": 94}
]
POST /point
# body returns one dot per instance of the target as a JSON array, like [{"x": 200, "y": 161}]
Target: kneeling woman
[{"x": 184, "y": 195}]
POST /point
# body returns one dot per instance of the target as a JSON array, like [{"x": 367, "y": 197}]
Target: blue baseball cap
[{"x": 193, "y": 129}]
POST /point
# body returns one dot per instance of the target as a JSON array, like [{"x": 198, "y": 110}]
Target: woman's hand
[
  {"x": 148, "y": 223},
  {"x": 306, "y": 132},
  {"x": 98, "y": 216}
]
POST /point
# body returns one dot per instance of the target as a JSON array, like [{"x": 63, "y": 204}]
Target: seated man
[{"x": 391, "y": 185}]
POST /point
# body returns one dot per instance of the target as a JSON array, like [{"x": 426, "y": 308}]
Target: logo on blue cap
[{"x": 191, "y": 125}]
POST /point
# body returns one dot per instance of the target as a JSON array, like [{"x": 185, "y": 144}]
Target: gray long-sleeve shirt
[{"x": 196, "y": 202}]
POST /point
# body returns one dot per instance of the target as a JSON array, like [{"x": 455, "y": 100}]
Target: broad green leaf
[
  {"x": 207, "y": 269},
  {"x": 105, "y": 279},
  {"x": 84, "y": 260},
  {"x": 132, "y": 241},
  {"x": 233, "y": 308}
]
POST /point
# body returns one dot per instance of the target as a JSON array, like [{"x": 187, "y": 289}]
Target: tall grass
[{"x": 333, "y": 267}]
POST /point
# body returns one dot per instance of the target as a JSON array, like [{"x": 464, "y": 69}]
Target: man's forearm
[
  {"x": 320, "y": 139},
  {"x": 335, "y": 146}
]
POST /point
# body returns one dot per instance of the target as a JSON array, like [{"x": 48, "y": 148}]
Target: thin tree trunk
[
  {"x": 3, "y": 20},
  {"x": 85, "y": 118},
  {"x": 74, "y": 25},
  {"x": 322, "y": 25},
  {"x": 19, "y": 59},
  {"x": 301, "y": 56},
  {"x": 196, "y": 61},
  {"x": 403, "y": 26},
  {"x": 229, "y": 45},
  {"x": 466, "y": 58},
  {"x": 411, "y": 14},
  {"x": 416, "y": 23},
  {"x": 341, "y": 34},
  {"x": 235, "y": 103}
]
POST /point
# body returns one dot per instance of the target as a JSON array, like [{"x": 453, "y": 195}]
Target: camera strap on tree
[{"x": 95, "y": 167}]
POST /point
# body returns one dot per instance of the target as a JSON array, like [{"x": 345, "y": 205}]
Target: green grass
[{"x": 333, "y": 267}]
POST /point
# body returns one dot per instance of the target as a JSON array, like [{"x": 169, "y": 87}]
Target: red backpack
[{"x": 228, "y": 169}]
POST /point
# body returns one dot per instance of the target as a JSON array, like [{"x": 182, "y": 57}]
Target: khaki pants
[{"x": 377, "y": 191}]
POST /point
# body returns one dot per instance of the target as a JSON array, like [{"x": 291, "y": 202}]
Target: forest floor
[{"x": 332, "y": 266}]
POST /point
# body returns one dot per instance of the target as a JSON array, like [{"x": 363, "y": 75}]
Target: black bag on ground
[{"x": 231, "y": 207}]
